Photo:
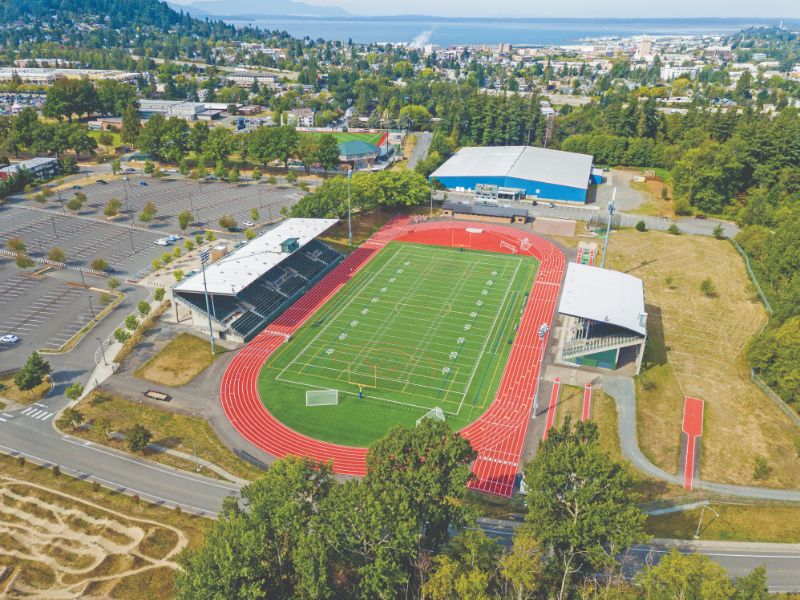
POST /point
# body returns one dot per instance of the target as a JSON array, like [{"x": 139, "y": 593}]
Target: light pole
[
  {"x": 91, "y": 308},
  {"x": 608, "y": 228},
  {"x": 61, "y": 200},
  {"x": 53, "y": 221},
  {"x": 103, "y": 351},
  {"x": 203, "y": 261},
  {"x": 127, "y": 206},
  {"x": 349, "y": 211}
]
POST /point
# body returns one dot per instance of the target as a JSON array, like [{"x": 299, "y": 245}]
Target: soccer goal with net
[
  {"x": 435, "y": 413},
  {"x": 322, "y": 397}
]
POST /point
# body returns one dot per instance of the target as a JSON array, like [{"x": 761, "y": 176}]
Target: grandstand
[
  {"x": 252, "y": 286},
  {"x": 602, "y": 319}
]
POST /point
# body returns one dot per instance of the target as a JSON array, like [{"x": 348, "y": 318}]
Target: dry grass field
[
  {"x": 64, "y": 539},
  {"x": 695, "y": 347},
  {"x": 180, "y": 361},
  {"x": 10, "y": 391}
]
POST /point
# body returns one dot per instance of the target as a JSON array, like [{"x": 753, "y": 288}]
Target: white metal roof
[
  {"x": 604, "y": 295},
  {"x": 523, "y": 162},
  {"x": 234, "y": 272}
]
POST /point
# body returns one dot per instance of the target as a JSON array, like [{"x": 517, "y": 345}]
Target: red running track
[
  {"x": 551, "y": 408},
  {"x": 693, "y": 428},
  {"x": 586, "y": 414},
  {"x": 497, "y": 435}
]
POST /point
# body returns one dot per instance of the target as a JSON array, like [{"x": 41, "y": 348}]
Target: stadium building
[
  {"x": 250, "y": 287},
  {"x": 539, "y": 172},
  {"x": 603, "y": 319}
]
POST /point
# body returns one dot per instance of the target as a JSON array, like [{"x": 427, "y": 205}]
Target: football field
[
  {"x": 419, "y": 327},
  {"x": 348, "y": 136}
]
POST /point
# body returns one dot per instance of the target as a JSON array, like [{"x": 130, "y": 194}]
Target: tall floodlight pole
[
  {"x": 608, "y": 227},
  {"x": 349, "y": 210},
  {"x": 203, "y": 261}
]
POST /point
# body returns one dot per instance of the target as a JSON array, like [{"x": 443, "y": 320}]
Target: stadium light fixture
[
  {"x": 608, "y": 227},
  {"x": 203, "y": 260},
  {"x": 349, "y": 210}
]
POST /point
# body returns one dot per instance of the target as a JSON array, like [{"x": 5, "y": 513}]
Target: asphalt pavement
[{"x": 421, "y": 148}]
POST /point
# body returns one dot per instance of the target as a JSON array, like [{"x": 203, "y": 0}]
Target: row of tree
[
  {"x": 393, "y": 534},
  {"x": 27, "y": 132}
]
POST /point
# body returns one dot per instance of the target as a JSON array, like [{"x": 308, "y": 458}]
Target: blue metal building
[{"x": 542, "y": 173}]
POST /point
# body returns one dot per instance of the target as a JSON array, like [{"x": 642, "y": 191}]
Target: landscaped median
[
  {"x": 10, "y": 391},
  {"x": 104, "y": 414}
]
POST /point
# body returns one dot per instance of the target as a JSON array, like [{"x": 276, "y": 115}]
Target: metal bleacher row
[{"x": 269, "y": 295}]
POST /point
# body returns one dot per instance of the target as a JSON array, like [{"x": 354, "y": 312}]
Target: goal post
[
  {"x": 322, "y": 397},
  {"x": 436, "y": 413}
]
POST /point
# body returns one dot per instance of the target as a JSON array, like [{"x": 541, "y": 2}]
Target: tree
[
  {"x": 74, "y": 391},
  {"x": 256, "y": 175},
  {"x": 143, "y": 307},
  {"x": 233, "y": 176},
  {"x": 112, "y": 208},
  {"x": 114, "y": 283},
  {"x": 99, "y": 264},
  {"x": 328, "y": 153},
  {"x": 210, "y": 235},
  {"x": 32, "y": 373},
  {"x": 690, "y": 576},
  {"x": 105, "y": 138},
  {"x": 158, "y": 294},
  {"x": 76, "y": 202},
  {"x": 116, "y": 166},
  {"x": 149, "y": 167},
  {"x": 431, "y": 466},
  {"x": 308, "y": 150},
  {"x": 227, "y": 222},
  {"x": 156, "y": 264},
  {"x": 131, "y": 322},
  {"x": 467, "y": 569},
  {"x": 16, "y": 244},
  {"x": 23, "y": 261},
  {"x": 188, "y": 245},
  {"x": 57, "y": 255},
  {"x": 719, "y": 232},
  {"x": 149, "y": 211},
  {"x": 70, "y": 417},
  {"x": 582, "y": 507},
  {"x": 185, "y": 218},
  {"x": 761, "y": 468},
  {"x": 707, "y": 288},
  {"x": 673, "y": 229},
  {"x": 291, "y": 177},
  {"x": 641, "y": 226},
  {"x": 121, "y": 335},
  {"x": 131, "y": 124},
  {"x": 178, "y": 275},
  {"x": 255, "y": 215},
  {"x": 69, "y": 97},
  {"x": 138, "y": 438},
  {"x": 522, "y": 570}
]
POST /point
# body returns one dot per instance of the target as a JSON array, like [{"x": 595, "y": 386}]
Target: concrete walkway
[{"x": 623, "y": 391}]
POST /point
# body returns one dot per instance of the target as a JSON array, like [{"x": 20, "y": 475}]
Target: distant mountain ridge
[{"x": 219, "y": 8}]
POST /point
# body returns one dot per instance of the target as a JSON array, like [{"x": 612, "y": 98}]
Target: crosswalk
[{"x": 37, "y": 411}]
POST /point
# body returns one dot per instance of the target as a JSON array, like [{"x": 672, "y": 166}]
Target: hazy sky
[{"x": 571, "y": 8}]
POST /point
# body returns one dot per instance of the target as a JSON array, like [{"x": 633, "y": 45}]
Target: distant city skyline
[{"x": 675, "y": 9}]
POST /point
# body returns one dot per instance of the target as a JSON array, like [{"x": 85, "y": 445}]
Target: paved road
[
  {"x": 781, "y": 560},
  {"x": 420, "y": 150}
]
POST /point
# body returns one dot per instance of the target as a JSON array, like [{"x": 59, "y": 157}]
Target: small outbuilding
[{"x": 485, "y": 213}]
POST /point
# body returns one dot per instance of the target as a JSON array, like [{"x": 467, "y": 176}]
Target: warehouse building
[
  {"x": 541, "y": 173},
  {"x": 603, "y": 319}
]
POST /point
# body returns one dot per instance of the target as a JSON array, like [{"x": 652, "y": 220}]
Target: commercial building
[
  {"x": 541, "y": 173},
  {"x": 39, "y": 168},
  {"x": 250, "y": 287},
  {"x": 603, "y": 323},
  {"x": 190, "y": 111}
]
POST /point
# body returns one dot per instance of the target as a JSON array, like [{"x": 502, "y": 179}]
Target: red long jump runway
[
  {"x": 551, "y": 408},
  {"x": 497, "y": 435},
  {"x": 692, "y": 430},
  {"x": 586, "y": 413}
]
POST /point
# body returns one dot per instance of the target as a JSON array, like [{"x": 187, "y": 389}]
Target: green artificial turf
[
  {"x": 346, "y": 136},
  {"x": 418, "y": 327}
]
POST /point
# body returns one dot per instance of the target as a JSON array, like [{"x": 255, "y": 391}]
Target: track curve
[{"x": 497, "y": 435}]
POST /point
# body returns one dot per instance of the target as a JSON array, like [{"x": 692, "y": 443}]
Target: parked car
[
  {"x": 700, "y": 217},
  {"x": 248, "y": 224},
  {"x": 130, "y": 170},
  {"x": 162, "y": 242},
  {"x": 76, "y": 187},
  {"x": 102, "y": 182},
  {"x": 174, "y": 238},
  {"x": 143, "y": 183},
  {"x": 9, "y": 338}
]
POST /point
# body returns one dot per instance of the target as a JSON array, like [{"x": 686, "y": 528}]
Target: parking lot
[
  {"x": 125, "y": 243},
  {"x": 43, "y": 311},
  {"x": 207, "y": 201}
]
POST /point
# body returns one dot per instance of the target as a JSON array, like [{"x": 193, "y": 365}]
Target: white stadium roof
[
  {"x": 522, "y": 162},
  {"x": 235, "y": 271},
  {"x": 604, "y": 295}
]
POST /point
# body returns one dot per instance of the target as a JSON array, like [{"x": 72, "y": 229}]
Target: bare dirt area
[
  {"x": 655, "y": 204},
  {"x": 696, "y": 342},
  {"x": 60, "y": 546}
]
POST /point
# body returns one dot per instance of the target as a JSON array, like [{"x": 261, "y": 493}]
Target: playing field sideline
[
  {"x": 419, "y": 327},
  {"x": 376, "y": 139}
]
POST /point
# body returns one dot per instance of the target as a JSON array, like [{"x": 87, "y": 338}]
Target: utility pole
[
  {"x": 349, "y": 210},
  {"x": 608, "y": 227},
  {"x": 203, "y": 260}
]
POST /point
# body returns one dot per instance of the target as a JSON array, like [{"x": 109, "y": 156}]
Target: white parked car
[
  {"x": 162, "y": 242},
  {"x": 249, "y": 224},
  {"x": 9, "y": 338}
]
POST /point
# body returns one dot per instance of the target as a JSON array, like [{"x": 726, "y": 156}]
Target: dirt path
[{"x": 63, "y": 545}]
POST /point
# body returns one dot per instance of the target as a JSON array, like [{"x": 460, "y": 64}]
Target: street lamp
[
  {"x": 91, "y": 308},
  {"x": 103, "y": 351},
  {"x": 203, "y": 260}
]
